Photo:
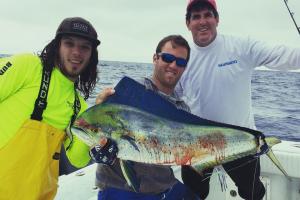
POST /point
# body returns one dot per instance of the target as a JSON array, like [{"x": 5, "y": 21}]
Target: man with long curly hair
[{"x": 39, "y": 96}]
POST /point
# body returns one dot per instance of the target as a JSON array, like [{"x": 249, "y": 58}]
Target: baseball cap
[
  {"x": 191, "y": 3},
  {"x": 79, "y": 27}
]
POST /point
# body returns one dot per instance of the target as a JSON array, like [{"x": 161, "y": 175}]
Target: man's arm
[
  {"x": 277, "y": 57},
  {"x": 14, "y": 73}
]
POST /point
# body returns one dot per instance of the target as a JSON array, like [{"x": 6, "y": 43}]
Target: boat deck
[{"x": 80, "y": 184}]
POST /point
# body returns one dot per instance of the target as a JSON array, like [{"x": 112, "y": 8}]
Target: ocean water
[{"x": 275, "y": 94}]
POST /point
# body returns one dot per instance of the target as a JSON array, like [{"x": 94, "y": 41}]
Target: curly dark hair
[{"x": 87, "y": 79}]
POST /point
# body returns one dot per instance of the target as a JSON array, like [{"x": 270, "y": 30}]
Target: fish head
[
  {"x": 86, "y": 132},
  {"x": 96, "y": 123}
]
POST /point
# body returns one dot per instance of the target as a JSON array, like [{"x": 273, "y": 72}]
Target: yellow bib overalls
[{"x": 29, "y": 163}]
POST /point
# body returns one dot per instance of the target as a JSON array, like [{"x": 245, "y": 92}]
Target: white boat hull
[{"x": 80, "y": 185}]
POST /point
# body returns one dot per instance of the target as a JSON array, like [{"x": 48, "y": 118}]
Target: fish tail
[
  {"x": 276, "y": 162},
  {"x": 271, "y": 141}
]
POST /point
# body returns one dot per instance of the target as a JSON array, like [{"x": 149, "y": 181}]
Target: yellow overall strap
[{"x": 41, "y": 101}]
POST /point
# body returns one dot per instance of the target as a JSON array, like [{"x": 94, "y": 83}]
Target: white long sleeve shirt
[{"x": 217, "y": 81}]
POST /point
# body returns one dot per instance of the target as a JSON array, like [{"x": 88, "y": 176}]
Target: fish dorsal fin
[{"x": 132, "y": 93}]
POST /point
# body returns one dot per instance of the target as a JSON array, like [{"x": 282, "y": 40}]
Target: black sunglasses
[{"x": 169, "y": 58}]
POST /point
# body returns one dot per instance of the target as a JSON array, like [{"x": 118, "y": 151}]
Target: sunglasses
[{"x": 169, "y": 58}]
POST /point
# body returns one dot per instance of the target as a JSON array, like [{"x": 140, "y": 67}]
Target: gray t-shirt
[{"x": 154, "y": 179}]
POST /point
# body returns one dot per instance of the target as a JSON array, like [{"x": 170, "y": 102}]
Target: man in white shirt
[{"x": 217, "y": 86}]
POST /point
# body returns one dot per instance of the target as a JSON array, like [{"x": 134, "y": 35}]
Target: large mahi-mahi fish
[
  {"x": 149, "y": 129},
  {"x": 147, "y": 138}
]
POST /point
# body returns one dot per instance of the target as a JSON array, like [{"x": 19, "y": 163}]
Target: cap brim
[
  {"x": 96, "y": 42},
  {"x": 197, "y": 1}
]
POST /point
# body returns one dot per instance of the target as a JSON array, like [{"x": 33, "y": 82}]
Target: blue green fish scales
[{"x": 147, "y": 138}]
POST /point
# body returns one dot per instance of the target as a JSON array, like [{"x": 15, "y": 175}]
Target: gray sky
[{"x": 130, "y": 29}]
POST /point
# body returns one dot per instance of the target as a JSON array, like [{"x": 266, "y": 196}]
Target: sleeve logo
[{"x": 5, "y": 68}]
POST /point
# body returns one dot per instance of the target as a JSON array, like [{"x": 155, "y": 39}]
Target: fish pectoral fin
[
  {"x": 276, "y": 162},
  {"x": 131, "y": 141},
  {"x": 196, "y": 168},
  {"x": 130, "y": 175}
]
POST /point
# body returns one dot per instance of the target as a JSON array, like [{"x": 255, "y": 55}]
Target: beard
[
  {"x": 73, "y": 74},
  {"x": 69, "y": 71}
]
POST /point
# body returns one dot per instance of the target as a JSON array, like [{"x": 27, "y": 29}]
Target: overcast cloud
[{"x": 130, "y": 29}]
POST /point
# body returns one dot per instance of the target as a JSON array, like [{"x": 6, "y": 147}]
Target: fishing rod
[{"x": 292, "y": 16}]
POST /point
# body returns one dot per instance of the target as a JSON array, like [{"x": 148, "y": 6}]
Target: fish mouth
[
  {"x": 78, "y": 129},
  {"x": 82, "y": 125},
  {"x": 84, "y": 135}
]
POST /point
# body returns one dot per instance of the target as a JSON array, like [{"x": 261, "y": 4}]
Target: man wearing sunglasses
[
  {"x": 156, "y": 182},
  {"x": 217, "y": 86}
]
